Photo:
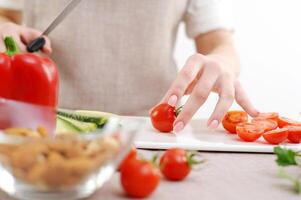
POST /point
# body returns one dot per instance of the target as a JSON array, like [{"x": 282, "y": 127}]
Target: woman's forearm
[{"x": 220, "y": 44}]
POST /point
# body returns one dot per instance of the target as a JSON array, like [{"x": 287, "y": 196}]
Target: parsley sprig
[{"x": 285, "y": 158}]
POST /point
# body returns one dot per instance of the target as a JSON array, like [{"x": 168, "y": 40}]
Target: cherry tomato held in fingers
[
  {"x": 294, "y": 134},
  {"x": 276, "y": 136},
  {"x": 139, "y": 178},
  {"x": 131, "y": 155},
  {"x": 268, "y": 115},
  {"x": 163, "y": 117},
  {"x": 232, "y": 118},
  {"x": 283, "y": 121},
  {"x": 176, "y": 164},
  {"x": 249, "y": 132},
  {"x": 268, "y": 124}
]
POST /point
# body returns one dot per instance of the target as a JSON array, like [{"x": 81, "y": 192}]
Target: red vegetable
[
  {"x": 294, "y": 134},
  {"x": 276, "y": 136},
  {"x": 139, "y": 178},
  {"x": 249, "y": 132},
  {"x": 131, "y": 155},
  {"x": 283, "y": 121},
  {"x": 268, "y": 124},
  {"x": 27, "y": 77},
  {"x": 163, "y": 117},
  {"x": 176, "y": 164},
  {"x": 269, "y": 115},
  {"x": 232, "y": 118}
]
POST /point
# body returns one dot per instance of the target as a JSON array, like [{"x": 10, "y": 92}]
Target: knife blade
[{"x": 38, "y": 43}]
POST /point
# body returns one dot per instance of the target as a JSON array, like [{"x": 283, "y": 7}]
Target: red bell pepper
[{"x": 27, "y": 77}]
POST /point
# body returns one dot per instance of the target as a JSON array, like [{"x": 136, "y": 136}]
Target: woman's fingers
[
  {"x": 28, "y": 35},
  {"x": 198, "y": 96},
  {"x": 184, "y": 78},
  {"x": 243, "y": 100},
  {"x": 225, "y": 101}
]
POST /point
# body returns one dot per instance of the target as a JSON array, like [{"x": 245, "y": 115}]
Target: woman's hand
[
  {"x": 23, "y": 36},
  {"x": 200, "y": 76}
]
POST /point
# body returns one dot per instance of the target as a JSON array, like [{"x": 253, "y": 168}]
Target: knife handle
[{"x": 36, "y": 44}]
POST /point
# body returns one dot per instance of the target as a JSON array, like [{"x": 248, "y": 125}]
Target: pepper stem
[{"x": 11, "y": 46}]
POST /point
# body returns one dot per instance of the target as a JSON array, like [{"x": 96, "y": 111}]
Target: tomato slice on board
[
  {"x": 249, "y": 132},
  {"x": 294, "y": 134},
  {"x": 276, "y": 136},
  {"x": 268, "y": 124},
  {"x": 268, "y": 115},
  {"x": 283, "y": 121},
  {"x": 232, "y": 118}
]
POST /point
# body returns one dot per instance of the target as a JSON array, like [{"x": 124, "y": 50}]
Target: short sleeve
[
  {"x": 12, "y": 4},
  {"x": 203, "y": 16}
]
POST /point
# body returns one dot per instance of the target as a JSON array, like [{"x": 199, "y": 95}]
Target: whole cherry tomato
[
  {"x": 131, "y": 155},
  {"x": 232, "y": 118},
  {"x": 139, "y": 178},
  {"x": 163, "y": 117},
  {"x": 176, "y": 164}
]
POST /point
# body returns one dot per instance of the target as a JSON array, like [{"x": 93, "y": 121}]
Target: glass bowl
[{"x": 63, "y": 167}]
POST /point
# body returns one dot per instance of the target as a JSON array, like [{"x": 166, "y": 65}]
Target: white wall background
[{"x": 268, "y": 36}]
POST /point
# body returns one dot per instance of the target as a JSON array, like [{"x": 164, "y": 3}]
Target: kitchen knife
[{"x": 38, "y": 43}]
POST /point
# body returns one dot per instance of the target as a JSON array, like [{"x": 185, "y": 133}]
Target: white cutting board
[{"x": 196, "y": 136}]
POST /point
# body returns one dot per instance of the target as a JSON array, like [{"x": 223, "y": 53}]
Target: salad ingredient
[
  {"x": 27, "y": 77},
  {"x": 58, "y": 163},
  {"x": 249, "y": 132},
  {"x": 288, "y": 158},
  {"x": 176, "y": 164},
  {"x": 283, "y": 121},
  {"x": 131, "y": 155},
  {"x": 98, "y": 118},
  {"x": 294, "y": 134},
  {"x": 139, "y": 178},
  {"x": 232, "y": 118},
  {"x": 63, "y": 126},
  {"x": 268, "y": 124},
  {"x": 163, "y": 117},
  {"x": 81, "y": 126},
  {"x": 276, "y": 136},
  {"x": 268, "y": 115}
]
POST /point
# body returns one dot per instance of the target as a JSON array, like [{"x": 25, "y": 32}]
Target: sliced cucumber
[
  {"x": 63, "y": 126},
  {"x": 80, "y": 125},
  {"x": 98, "y": 118}
]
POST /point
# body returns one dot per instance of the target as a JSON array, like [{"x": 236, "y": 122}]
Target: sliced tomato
[
  {"x": 249, "y": 132},
  {"x": 276, "y": 136},
  {"x": 268, "y": 115},
  {"x": 283, "y": 121},
  {"x": 232, "y": 118},
  {"x": 268, "y": 124},
  {"x": 294, "y": 134}
]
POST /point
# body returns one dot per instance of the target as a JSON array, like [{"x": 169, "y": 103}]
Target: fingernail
[
  {"x": 178, "y": 127},
  {"x": 172, "y": 101},
  {"x": 213, "y": 124}
]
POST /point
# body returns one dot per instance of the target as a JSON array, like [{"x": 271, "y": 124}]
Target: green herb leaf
[
  {"x": 285, "y": 157},
  {"x": 295, "y": 180}
]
